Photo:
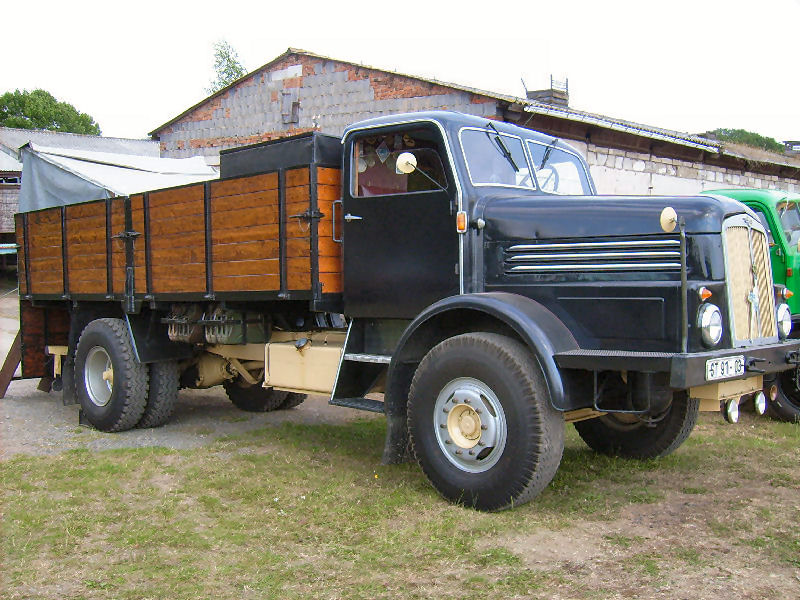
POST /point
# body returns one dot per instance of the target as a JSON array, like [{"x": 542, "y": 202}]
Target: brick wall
[
  {"x": 9, "y": 202},
  {"x": 300, "y": 93},
  {"x": 621, "y": 172}
]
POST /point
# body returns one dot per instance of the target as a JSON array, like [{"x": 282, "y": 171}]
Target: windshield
[
  {"x": 495, "y": 158},
  {"x": 558, "y": 171},
  {"x": 790, "y": 221}
]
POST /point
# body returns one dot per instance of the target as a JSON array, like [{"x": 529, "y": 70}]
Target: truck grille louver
[
  {"x": 749, "y": 278},
  {"x": 594, "y": 257}
]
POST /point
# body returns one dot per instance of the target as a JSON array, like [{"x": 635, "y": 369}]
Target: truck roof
[
  {"x": 452, "y": 121},
  {"x": 771, "y": 197}
]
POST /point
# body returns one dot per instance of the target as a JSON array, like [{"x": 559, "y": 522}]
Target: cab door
[{"x": 400, "y": 244}]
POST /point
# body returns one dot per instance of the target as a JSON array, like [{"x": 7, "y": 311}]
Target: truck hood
[{"x": 511, "y": 216}]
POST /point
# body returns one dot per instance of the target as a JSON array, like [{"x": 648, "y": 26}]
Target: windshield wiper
[
  {"x": 503, "y": 148},
  {"x": 547, "y": 152}
]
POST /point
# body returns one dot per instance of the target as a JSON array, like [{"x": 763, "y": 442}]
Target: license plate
[{"x": 722, "y": 368}]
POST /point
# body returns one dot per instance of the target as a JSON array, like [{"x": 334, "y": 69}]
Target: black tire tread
[
  {"x": 644, "y": 442},
  {"x": 254, "y": 398},
  {"x": 293, "y": 400},
  {"x": 134, "y": 378},
  {"x": 538, "y": 468},
  {"x": 162, "y": 394},
  {"x": 786, "y": 406}
]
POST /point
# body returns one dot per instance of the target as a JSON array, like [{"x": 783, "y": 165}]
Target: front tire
[
  {"x": 626, "y": 435},
  {"x": 110, "y": 383},
  {"x": 481, "y": 423}
]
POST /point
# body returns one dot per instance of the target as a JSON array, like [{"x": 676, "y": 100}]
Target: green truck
[{"x": 779, "y": 213}]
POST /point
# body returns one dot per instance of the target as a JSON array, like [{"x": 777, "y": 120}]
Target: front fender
[{"x": 536, "y": 326}]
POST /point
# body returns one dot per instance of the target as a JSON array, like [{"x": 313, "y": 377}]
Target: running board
[{"x": 359, "y": 404}]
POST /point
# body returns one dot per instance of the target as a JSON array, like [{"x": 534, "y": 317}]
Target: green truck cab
[{"x": 779, "y": 213}]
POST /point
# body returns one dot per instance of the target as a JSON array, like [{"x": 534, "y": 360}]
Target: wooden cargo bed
[{"x": 265, "y": 236}]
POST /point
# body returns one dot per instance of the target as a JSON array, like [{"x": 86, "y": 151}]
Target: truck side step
[
  {"x": 368, "y": 358},
  {"x": 359, "y": 404}
]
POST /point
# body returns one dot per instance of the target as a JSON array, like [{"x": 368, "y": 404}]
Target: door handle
[{"x": 348, "y": 217}]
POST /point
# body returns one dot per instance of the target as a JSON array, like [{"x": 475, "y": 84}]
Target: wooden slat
[
  {"x": 328, "y": 175},
  {"x": 165, "y": 224},
  {"x": 234, "y": 219},
  {"x": 186, "y": 195},
  {"x": 266, "y": 266},
  {"x": 246, "y": 250},
  {"x": 245, "y": 234},
  {"x": 246, "y": 202},
  {"x": 244, "y": 185},
  {"x": 331, "y": 283},
  {"x": 247, "y": 283},
  {"x": 177, "y": 240},
  {"x": 20, "y": 237},
  {"x": 300, "y": 193},
  {"x": 86, "y": 210},
  {"x": 295, "y": 177},
  {"x": 298, "y": 281}
]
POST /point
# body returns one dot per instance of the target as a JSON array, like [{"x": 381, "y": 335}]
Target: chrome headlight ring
[
  {"x": 709, "y": 320},
  {"x": 784, "y": 317}
]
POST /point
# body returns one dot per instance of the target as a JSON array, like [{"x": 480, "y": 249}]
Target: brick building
[{"x": 300, "y": 91}]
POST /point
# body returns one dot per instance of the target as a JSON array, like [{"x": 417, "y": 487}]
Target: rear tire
[
  {"x": 254, "y": 398},
  {"x": 110, "y": 383},
  {"x": 624, "y": 435},
  {"x": 481, "y": 423},
  {"x": 293, "y": 399},
  {"x": 162, "y": 394}
]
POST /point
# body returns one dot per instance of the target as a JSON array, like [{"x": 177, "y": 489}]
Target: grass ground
[{"x": 298, "y": 511}]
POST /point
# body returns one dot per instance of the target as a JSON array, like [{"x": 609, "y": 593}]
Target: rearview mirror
[{"x": 406, "y": 163}]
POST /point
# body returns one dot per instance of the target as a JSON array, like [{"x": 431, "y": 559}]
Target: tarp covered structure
[{"x": 59, "y": 176}]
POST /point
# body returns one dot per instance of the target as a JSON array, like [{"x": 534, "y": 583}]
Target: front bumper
[{"x": 685, "y": 370}]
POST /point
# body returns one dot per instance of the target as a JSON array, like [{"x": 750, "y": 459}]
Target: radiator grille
[
  {"x": 748, "y": 279},
  {"x": 594, "y": 257}
]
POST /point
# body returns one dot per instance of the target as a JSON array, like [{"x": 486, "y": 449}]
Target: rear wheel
[
  {"x": 162, "y": 394},
  {"x": 293, "y": 399},
  {"x": 110, "y": 383},
  {"x": 254, "y": 398},
  {"x": 481, "y": 423},
  {"x": 627, "y": 435}
]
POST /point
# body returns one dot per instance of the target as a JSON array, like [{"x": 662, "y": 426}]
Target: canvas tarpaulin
[{"x": 58, "y": 176}]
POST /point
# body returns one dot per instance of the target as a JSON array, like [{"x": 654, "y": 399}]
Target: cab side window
[{"x": 374, "y": 164}]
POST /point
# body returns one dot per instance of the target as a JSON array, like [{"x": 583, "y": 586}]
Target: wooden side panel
[
  {"x": 86, "y": 248},
  {"x": 41, "y": 327},
  {"x": 330, "y": 253},
  {"x": 177, "y": 238},
  {"x": 245, "y": 221},
  {"x": 118, "y": 244},
  {"x": 22, "y": 280},
  {"x": 298, "y": 231},
  {"x": 44, "y": 246}
]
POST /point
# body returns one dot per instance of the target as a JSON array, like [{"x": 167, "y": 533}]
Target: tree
[
  {"x": 40, "y": 110},
  {"x": 748, "y": 138},
  {"x": 226, "y": 65}
]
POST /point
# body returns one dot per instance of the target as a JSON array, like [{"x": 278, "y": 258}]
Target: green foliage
[
  {"x": 227, "y": 66},
  {"x": 38, "y": 109},
  {"x": 748, "y": 138}
]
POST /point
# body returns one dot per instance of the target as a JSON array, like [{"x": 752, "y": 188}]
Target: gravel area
[{"x": 34, "y": 422}]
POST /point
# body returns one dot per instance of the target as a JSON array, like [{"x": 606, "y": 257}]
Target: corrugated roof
[
  {"x": 8, "y": 162},
  {"x": 13, "y": 139}
]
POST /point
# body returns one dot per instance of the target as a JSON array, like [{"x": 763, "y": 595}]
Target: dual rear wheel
[{"x": 116, "y": 392}]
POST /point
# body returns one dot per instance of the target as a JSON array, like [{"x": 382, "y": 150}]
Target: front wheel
[
  {"x": 481, "y": 423},
  {"x": 786, "y": 406},
  {"x": 627, "y": 435}
]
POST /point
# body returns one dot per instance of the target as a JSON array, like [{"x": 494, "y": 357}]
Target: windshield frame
[
  {"x": 586, "y": 179},
  {"x": 491, "y": 131}
]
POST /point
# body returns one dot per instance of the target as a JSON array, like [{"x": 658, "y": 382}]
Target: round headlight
[
  {"x": 784, "y": 316},
  {"x": 709, "y": 320}
]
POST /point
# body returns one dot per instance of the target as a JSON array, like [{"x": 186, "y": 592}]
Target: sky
[{"x": 691, "y": 66}]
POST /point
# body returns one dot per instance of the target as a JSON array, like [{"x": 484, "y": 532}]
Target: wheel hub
[
  {"x": 470, "y": 424},
  {"x": 99, "y": 376},
  {"x": 464, "y": 426}
]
